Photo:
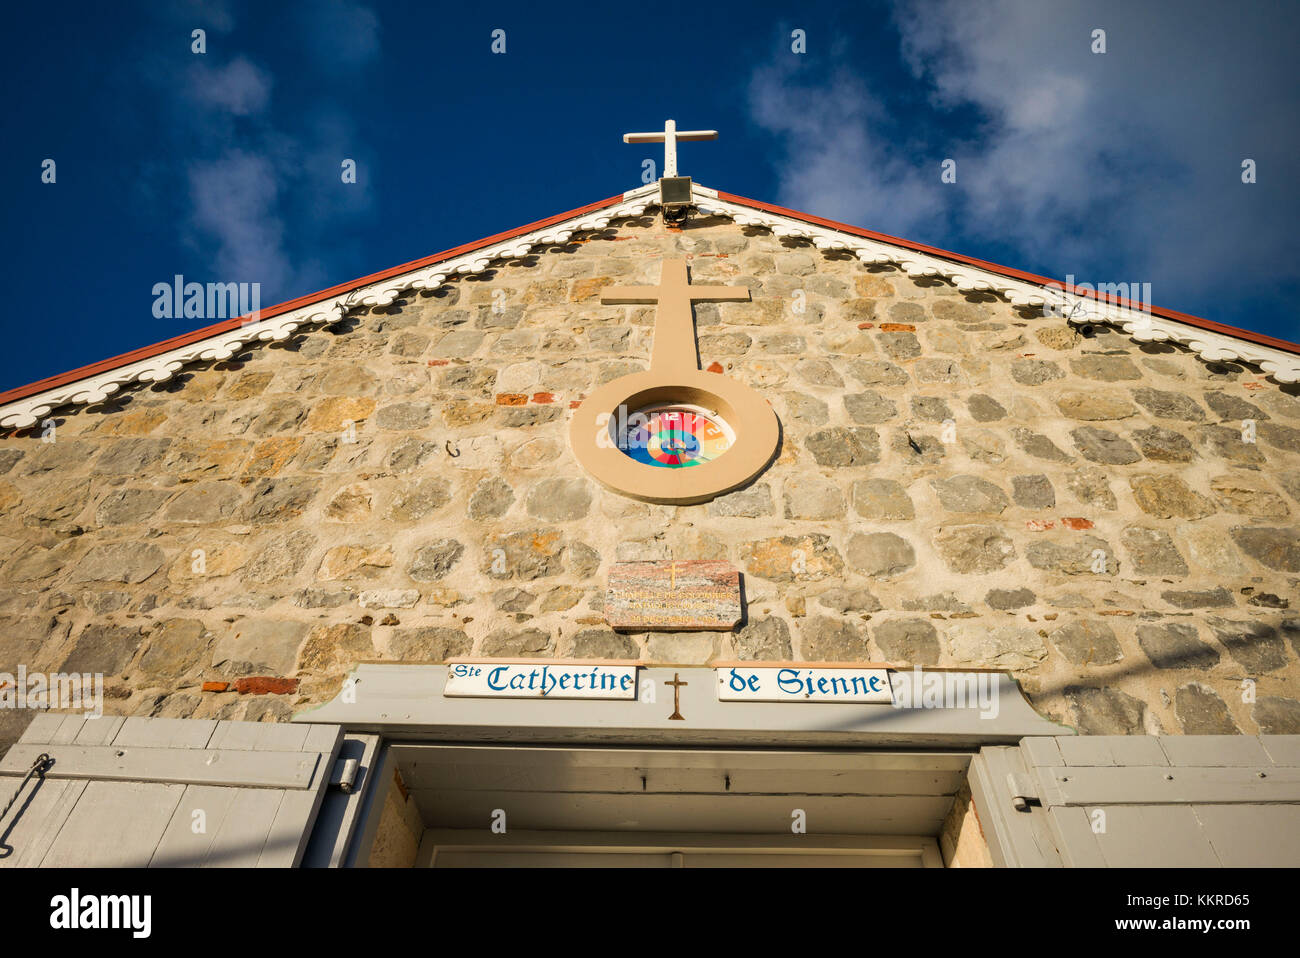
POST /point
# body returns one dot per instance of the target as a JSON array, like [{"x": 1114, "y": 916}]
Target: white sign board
[
  {"x": 534, "y": 680},
  {"x": 738, "y": 683}
]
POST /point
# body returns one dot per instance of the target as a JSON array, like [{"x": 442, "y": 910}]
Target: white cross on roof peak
[{"x": 669, "y": 138}]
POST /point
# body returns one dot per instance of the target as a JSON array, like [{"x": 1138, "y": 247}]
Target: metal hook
[
  {"x": 453, "y": 452},
  {"x": 39, "y": 768}
]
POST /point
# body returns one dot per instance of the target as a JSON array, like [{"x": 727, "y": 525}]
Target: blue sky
[{"x": 225, "y": 166}]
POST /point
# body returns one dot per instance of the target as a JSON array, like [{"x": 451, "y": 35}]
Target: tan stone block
[
  {"x": 854, "y": 311},
  {"x": 345, "y": 562},
  {"x": 332, "y": 649},
  {"x": 215, "y": 561},
  {"x": 942, "y": 339},
  {"x": 1004, "y": 339},
  {"x": 1169, "y": 496},
  {"x": 1248, "y": 496},
  {"x": 790, "y": 558},
  {"x": 484, "y": 295},
  {"x": 248, "y": 385},
  {"x": 1093, "y": 406},
  {"x": 140, "y": 422},
  {"x": 759, "y": 373},
  {"x": 346, "y": 379},
  {"x": 849, "y": 342},
  {"x": 679, "y": 649},
  {"x": 350, "y": 504},
  {"x": 547, "y": 291},
  {"x": 10, "y": 497},
  {"x": 561, "y": 599},
  {"x": 462, "y": 412},
  {"x": 214, "y": 459},
  {"x": 535, "y": 452},
  {"x": 588, "y": 290},
  {"x": 270, "y": 456},
  {"x": 873, "y": 286},
  {"x": 1058, "y": 337},
  {"x": 335, "y": 413},
  {"x": 444, "y": 596},
  {"x": 199, "y": 386}
]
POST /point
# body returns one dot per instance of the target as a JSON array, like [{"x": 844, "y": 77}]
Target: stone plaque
[{"x": 685, "y": 595}]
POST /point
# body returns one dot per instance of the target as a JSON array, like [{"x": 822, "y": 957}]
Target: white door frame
[
  {"x": 685, "y": 850},
  {"x": 737, "y": 800}
]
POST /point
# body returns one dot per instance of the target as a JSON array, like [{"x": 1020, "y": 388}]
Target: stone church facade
[{"x": 962, "y": 482}]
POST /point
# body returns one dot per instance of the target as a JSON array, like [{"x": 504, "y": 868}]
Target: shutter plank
[
  {"x": 291, "y": 829},
  {"x": 165, "y": 732},
  {"x": 114, "y": 824},
  {"x": 1214, "y": 750},
  {"x": 1075, "y": 838},
  {"x": 42, "y": 728},
  {"x": 1184, "y": 785},
  {"x": 1154, "y": 836},
  {"x": 180, "y": 847},
  {"x": 30, "y": 828},
  {"x": 287, "y": 837},
  {"x": 68, "y": 729},
  {"x": 1281, "y": 749},
  {"x": 242, "y": 835},
  {"x": 260, "y": 736},
  {"x": 99, "y": 731},
  {"x": 1253, "y": 836},
  {"x": 185, "y": 766}
]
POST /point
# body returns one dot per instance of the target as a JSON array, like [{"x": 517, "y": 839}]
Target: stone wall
[{"x": 961, "y": 483}]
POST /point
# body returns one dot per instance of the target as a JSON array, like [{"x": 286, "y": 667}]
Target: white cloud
[
  {"x": 839, "y": 162},
  {"x": 236, "y": 201},
  {"x": 240, "y": 87},
  {"x": 262, "y": 188},
  {"x": 1131, "y": 157}
]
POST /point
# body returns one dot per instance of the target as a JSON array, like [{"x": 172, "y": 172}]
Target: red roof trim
[
  {"x": 146, "y": 352},
  {"x": 185, "y": 339},
  {"x": 1190, "y": 320}
]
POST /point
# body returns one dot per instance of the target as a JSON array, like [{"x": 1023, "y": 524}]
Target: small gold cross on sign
[{"x": 677, "y": 684}]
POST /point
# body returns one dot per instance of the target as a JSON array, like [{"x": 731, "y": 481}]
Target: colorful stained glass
[{"x": 675, "y": 436}]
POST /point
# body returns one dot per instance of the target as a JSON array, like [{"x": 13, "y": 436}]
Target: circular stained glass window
[{"x": 674, "y": 435}]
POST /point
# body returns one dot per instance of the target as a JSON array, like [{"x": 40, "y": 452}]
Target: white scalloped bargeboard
[{"x": 1142, "y": 326}]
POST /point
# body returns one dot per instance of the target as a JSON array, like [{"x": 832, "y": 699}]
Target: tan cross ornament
[
  {"x": 674, "y": 343},
  {"x": 675, "y": 386}
]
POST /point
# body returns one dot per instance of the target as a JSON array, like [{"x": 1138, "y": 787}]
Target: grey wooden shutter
[
  {"x": 132, "y": 792},
  {"x": 1140, "y": 800}
]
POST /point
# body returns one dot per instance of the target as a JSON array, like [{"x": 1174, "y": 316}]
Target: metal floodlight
[{"x": 675, "y": 198}]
